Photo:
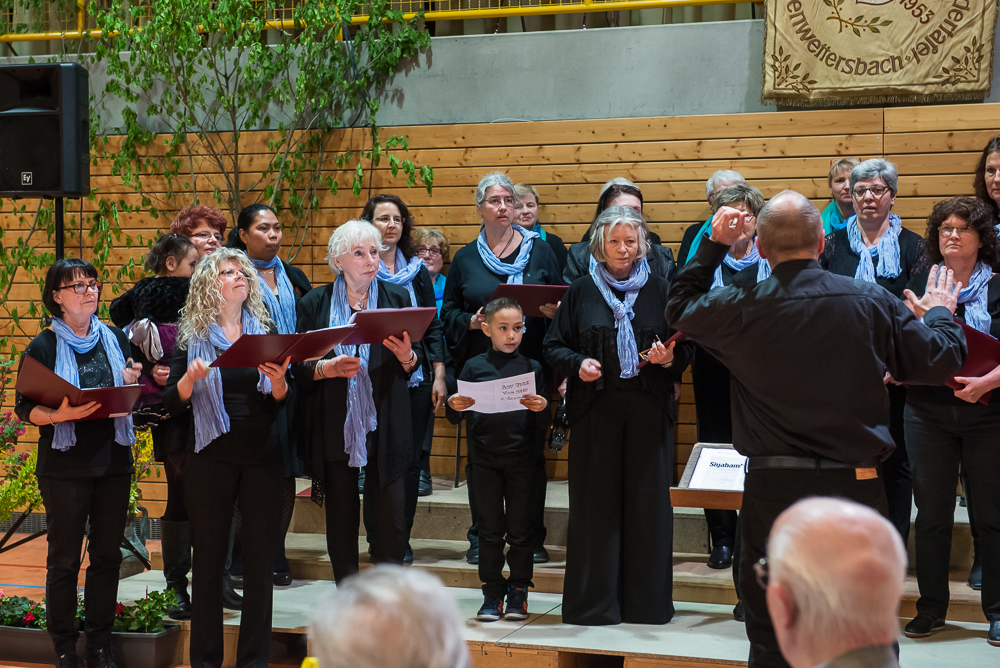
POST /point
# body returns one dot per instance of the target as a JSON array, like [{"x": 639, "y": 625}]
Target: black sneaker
[
  {"x": 517, "y": 604},
  {"x": 426, "y": 486},
  {"x": 922, "y": 626},
  {"x": 102, "y": 657},
  {"x": 976, "y": 576},
  {"x": 472, "y": 556},
  {"x": 491, "y": 611},
  {"x": 68, "y": 660},
  {"x": 738, "y": 613}
]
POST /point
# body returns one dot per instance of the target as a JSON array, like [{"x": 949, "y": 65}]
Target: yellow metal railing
[{"x": 62, "y": 26}]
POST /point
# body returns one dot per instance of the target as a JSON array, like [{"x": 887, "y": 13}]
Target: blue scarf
[
  {"x": 514, "y": 272},
  {"x": 405, "y": 273},
  {"x": 210, "y": 417},
  {"x": 282, "y": 306},
  {"x": 67, "y": 342},
  {"x": 753, "y": 257},
  {"x": 361, "y": 415},
  {"x": 887, "y": 250},
  {"x": 628, "y": 351},
  {"x": 974, "y": 297},
  {"x": 706, "y": 228}
]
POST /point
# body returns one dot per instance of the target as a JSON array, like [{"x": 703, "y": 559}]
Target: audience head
[
  {"x": 618, "y": 238},
  {"x": 432, "y": 247},
  {"x": 619, "y": 192},
  {"x": 63, "y": 281},
  {"x": 962, "y": 228},
  {"x": 789, "y": 227},
  {"x": 721, "y": 180},
  {"x": 877, "y": 174},
  {"x": 225, "y": 278},
  {"x": 839, "y": 181},
  {"x": 353, "y": 250},
  {"x": 496, "y": 199},
  {"x": 203, "y": 225},
  {"x": 528, "y": 210},
  {"x": 835, "y": 574},
  {"x": 393, "y": 220},
  {"x": 389, "y": 617},
  {"x": 503, "y": 322},
  {"x": 987, "y": 181},
  {"x": 741, "y": 197},
  {"x": 257, "y": 233},
  {"x": 172, "y": 255}
]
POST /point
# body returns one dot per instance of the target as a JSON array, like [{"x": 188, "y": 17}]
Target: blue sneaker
[
  {"x": 492, "y": 609},
  {"x": 517, "y": 604}
]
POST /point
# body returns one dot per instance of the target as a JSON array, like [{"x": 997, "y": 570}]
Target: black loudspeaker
[{"x": 44, "y": 131}]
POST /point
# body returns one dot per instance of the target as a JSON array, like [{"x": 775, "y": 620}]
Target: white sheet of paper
[
  {"x": 498, "y": 396},
  {"x": 719, "y": 468}
]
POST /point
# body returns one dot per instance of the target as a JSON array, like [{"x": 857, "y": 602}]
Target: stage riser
[{"x": 493, "y": 656}]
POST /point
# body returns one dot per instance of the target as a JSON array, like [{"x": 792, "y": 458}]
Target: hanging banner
[{"x": 849, "y": 52}]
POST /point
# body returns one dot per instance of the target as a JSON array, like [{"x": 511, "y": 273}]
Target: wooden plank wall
[{"x": 935, "y": 149}]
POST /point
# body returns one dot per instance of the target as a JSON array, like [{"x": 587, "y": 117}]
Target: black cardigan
[
  {"x": 661, "y": 262},
  {"x": 840, "y": 259}
]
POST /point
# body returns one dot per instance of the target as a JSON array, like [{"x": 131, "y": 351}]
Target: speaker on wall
[{"x": 44, "y": 130}]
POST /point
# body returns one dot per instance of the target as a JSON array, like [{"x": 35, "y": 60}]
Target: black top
[
  {"x": 96, "y": 453},
  {"x": 431, "y": 347},
  {"x": 808, "y": 350},
  {"x": 468, "y": 287},
  {"x": 661, "y": 262},
  {"x": 840, "y": 259},
  {"x": 253, "y": 433},
  {"x": 323, "y": 403},
  {"x": 300, "y": 284},
  {"x": 558, "y": 247},
  {"x": 502, "y": 434},
  {"x": 689, "y": 236},
  {"x": 584, "y": 327},
  {"x": 158, "y": 298},
  {"x": 929, "y": 395}
]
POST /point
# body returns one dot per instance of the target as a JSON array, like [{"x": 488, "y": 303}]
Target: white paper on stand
[
  {"x": 498, "y": 396},
  {"x": 719, "y": 468}
]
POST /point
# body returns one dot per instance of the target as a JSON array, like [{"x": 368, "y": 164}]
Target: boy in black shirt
[{"x": 503, "y": 464}]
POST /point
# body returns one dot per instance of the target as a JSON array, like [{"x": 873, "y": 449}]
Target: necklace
[
  {"x": 362, "y": 298},
  {"x": 500, "y": 254}
]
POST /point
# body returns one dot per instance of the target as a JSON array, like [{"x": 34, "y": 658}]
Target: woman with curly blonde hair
[{"x": 237, "y": 454}]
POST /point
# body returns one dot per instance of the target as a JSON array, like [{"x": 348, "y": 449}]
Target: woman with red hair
[{"x": 203, "y": 225}]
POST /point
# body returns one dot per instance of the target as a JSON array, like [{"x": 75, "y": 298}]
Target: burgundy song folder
[
  {"x": 41, "y": 384},
  {"x": 530, "y": 297},
  {"x": 252, "y": 350},
  {"x": 676, "y": 338},
  {"x": 377, "y": 325},
  {"x": 983, "y": 357}
]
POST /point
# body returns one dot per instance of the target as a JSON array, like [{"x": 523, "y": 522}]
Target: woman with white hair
[
  {"x": 347, "y": 399},
  {"x": 873, "y": 246},
  {"x": 236, "y": 456},
  {"x": 622, "y": 414}
]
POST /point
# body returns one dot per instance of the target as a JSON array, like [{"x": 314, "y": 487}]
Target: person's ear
[
  {"x": 760, "y": 249},
  {"x": 781, "y": 607},
  {"x": 242, "y": 235},
  {"x": 485, "y": 326},
  {"x": 822, "y": 244},
  {"x": 171, "y": 264}
]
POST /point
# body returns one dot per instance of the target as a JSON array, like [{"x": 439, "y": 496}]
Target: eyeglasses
[
  {"x": 495, "y": 201},
  {"x": 385, "y": 220},
  {"x": 233, "y": 273},
  {"x": 876, "y": 191},
  {"x": 760, "y": 570},
  {"x": 428, "y": 250},
  {"x": 947, "y": 230},
  {"x": 82, "y": 288},
  {"x": 205, "y": 236}
]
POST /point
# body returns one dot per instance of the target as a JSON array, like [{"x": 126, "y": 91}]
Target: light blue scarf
[
  {"x": 753, "y": 257},
  {"x": 514, "y": 272},
  {"x": 67, "y": 342},
  {"x": 282, "y": 306},
  {"x": 210, "y": 417},
  {"x": 628, "y": 351},
  {"x": 405, "y": 273},
  {"x": 974, "y": 297},
  {"x": 706, "y": 228},
  {"x": 887, "y": 250},
  {"x": 361, "y": 415}
]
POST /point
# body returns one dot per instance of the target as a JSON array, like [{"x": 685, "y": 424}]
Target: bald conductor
[{"x": 808, "y": 351}]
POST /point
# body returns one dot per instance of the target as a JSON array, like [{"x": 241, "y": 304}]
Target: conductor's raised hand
[
  {"x": 727, "y": 225},
  {"x": 67, "y": 413},
  {"x": 534, "y": 402},
  {"x": 460, "y": 403},
  {"x": 131, "y": 372},
  {"x": 590, "y": 370},
  {"x": 661, "y": 354},
  {"x": 942, "y": 290}
]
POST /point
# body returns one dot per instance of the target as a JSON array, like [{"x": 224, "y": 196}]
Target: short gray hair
[
  {"x": 494, "y": 179},
  {"x": 876, "y": 167},
  {"x": 347, "y": 236},
  {"x": 722, "y": 176},
  {"x": 611, "y": 218},
  {"x": 389, "y": 617},
  {"x": 739, "y": 193},
  {"x": 524, "y": 189}
]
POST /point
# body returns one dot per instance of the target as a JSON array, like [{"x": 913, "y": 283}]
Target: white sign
[
  {"x": 719, "y": 468},
  {"x": 498, "y": 396}
]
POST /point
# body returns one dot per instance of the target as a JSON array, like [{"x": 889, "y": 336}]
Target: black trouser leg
[
  {"x": 286, "y": 508},
  {"x": 387, "y": 504},
  {"x": 473, "y": 533},
  {"x": 174, "y": 467},
  {"x": 766, "y": 493},
  {"x": 108, "y": 516},
  {"x": 541, "y": 482},
  {"x": 896, "y": 469},
  {"x": 175, "y": 543},
  {"x": 737, "y": 550},
  {"x": 972, "y": 516},
  {"x": 343, "y": 508},
  {"x": 721, "y": 526},
  {"x": 422, "y": 418}
]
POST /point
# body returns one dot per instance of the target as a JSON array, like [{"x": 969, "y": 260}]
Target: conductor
[{"x": 808, "y": 351}]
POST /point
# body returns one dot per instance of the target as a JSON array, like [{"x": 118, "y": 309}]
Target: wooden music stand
[{"x": 683, "y": 496}]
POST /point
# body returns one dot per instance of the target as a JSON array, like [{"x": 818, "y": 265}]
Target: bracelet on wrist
[{"x": 413, "y": 358}]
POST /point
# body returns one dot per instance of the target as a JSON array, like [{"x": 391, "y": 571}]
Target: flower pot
[{"x": 138, "y": 650}]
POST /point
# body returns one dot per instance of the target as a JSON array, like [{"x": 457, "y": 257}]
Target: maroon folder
[
  {"x": 676, "y": 338},
  {"x": 377, "y": 325},
  {"x": 41, "y": 384},
  {"x": 251, "y": 350},
  {"x": 983, "y": 357},
  {"x": 530, "y": 297}
]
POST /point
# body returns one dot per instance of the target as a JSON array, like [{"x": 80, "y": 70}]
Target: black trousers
[
  {"x": 766, "y": 493},
  {"x": 174, "y": 466},
  {"x": 211, "y": 489},
  {"x": 940, "y": 438},
  {"x": 896, "y": 475},
  {"x": 505, "y": 495},
  {"x": 422, "y": 418},
  {"x": 68, "y": 504},
  {"x": 618, "y": 553}
]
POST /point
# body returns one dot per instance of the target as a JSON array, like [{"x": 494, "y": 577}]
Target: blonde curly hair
[{"x": 204, "y": 301}]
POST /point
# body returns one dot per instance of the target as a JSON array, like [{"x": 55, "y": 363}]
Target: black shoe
[
  {"x": 102, "y": 657},
  {"x": 230, "y": 599},
  {"x": 541, "y": 555},
  {"x": 68, "y": 660},
  {"x": 721, "y": 557},
  {"x": 282, "y": 579},
  {"x": 923, "y": 625},
  {"x": 472, "y": 556},
  {"x": 976, "y": 576},
  {"x": 491, "y": 610},
  {"x": 183, "y": 608},
  {"x": 236, "y": 581},
  {"x": 426, "y": 486},
  {"x": 361, "y": 481},
  {"x": 738, "y": 612},
  {"x": 408, "y": 557},
  {"x": 517, "y": 604},
  {"x": 994, "y": 637}
]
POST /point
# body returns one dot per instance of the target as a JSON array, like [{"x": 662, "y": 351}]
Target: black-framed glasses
[
  {"x": 876, "y": 191},
  {"x": 760, "y": 570},
  {"x": 428, "y": 250},
  {"x": 82, "y": 288}
]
